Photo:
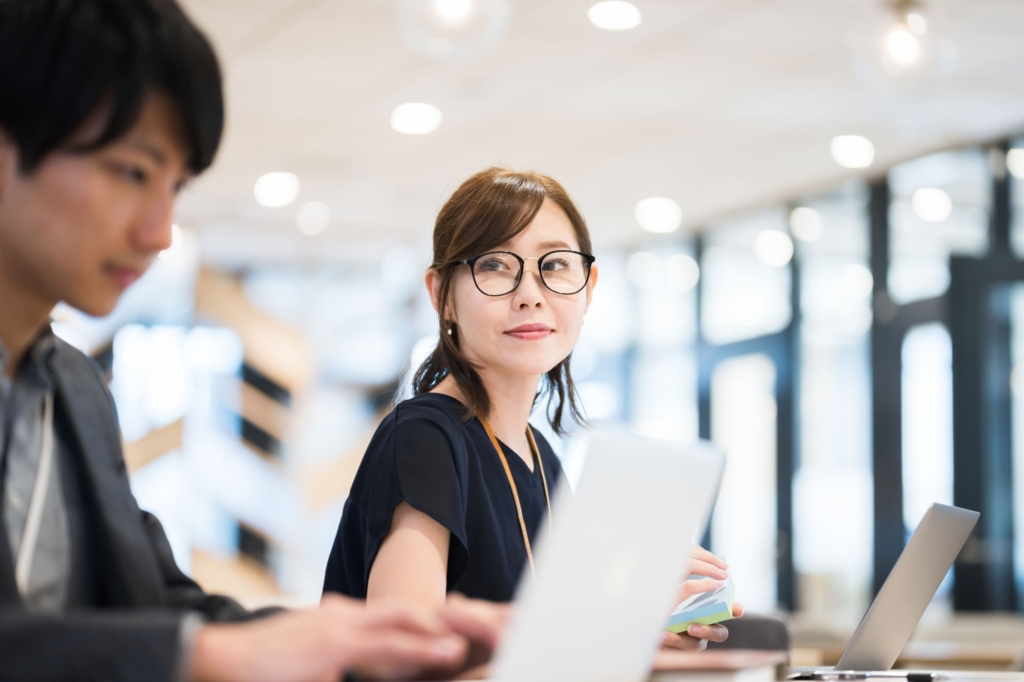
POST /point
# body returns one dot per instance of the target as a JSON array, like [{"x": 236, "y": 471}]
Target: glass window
[
  {"x": 746, "y": 290},
  {"x": 833, "y": 486},
  {"x": 1017, "y": 385},
  {"x": 927, "y": 429},
  {"x": 744, "y": 529},
  {"x": 940, "y": 207},
  {"x": 1015, "y": 168}
]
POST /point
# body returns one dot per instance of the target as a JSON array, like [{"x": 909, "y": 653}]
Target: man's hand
[{"x": 385, "y": 640}]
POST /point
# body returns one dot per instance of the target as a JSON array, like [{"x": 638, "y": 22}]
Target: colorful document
[{"x": 706, "y": 608}]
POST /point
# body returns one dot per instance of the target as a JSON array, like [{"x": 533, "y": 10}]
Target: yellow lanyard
[{"x": 515, "y": 491}]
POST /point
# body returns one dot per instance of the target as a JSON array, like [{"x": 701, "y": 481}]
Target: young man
[{"x": 107, "y": 108}]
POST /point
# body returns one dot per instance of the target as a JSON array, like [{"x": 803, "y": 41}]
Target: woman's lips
[
  {"x": 124, "y": 277},
  {"x": 531, "y": 332}
]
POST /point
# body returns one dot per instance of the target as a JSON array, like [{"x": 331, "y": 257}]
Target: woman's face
[{"x": 530, "y": 330}]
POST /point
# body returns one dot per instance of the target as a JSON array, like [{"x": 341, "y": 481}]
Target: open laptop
[
  {"x": 892, "y": 617},
  {"x": 609, "y": 568}
]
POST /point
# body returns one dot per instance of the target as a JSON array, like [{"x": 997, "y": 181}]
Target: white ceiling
[{"x": 719, "y": 104}]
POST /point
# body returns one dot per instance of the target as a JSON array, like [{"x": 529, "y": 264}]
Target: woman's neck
[{"x": 512, "y": 398}]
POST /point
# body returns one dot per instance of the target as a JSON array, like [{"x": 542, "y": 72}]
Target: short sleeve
[
  {"x": 428, "y": 475},
  {"x": 417, "y": 464}
]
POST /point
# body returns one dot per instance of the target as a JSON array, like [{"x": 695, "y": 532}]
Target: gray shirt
[{"x": 22, "y": 403}]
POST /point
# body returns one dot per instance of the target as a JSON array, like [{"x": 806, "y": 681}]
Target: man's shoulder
[{"x": 74, "y": 368}]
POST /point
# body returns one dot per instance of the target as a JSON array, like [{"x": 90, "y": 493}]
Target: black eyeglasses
[{"x": 498, "y": 273}]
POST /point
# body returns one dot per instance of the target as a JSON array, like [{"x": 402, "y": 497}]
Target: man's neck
[{"x": 22, "y": 316}]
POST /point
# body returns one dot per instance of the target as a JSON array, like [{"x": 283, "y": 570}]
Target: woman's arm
[{"x": 412, "y": 563}]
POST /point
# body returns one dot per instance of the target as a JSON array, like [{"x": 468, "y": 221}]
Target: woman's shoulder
[{"x": 438, "y": 408}]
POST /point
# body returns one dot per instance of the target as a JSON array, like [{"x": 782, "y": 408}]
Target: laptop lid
[
  {"x": 608, "y": 570},
  {"x": 890, "y": 620}
]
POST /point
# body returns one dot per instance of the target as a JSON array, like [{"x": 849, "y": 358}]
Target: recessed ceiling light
[
  {"x": 931, "y": 204},
  {"x": 853, "y": 151},
  {"x": 774, "y": 248},
  {"x": 806, "y": 224},
  {"x": 175, "y": 248},
  {"x": 917, "y": 23},
  {"x": 1015, "y": 163},
  {"x": 454, "y": 9},
  {"x": 416, "y": 118},
  {"x": 615, "y": 15},
  {"x": 903, "y": 46},
  {"x": 683, "y": 272},
  {"x": 275, "y": 190},
  {"x": 659, "y": 214},
  {"x": 313, "y": 218}
]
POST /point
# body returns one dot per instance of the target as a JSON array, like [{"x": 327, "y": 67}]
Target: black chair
[{"x": 755, "y": 632}]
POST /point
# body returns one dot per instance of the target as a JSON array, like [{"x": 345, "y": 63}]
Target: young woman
[{"x": 455, "y": 483}]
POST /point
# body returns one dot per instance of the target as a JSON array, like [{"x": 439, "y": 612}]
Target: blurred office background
[{"x": 808, "y": 218}]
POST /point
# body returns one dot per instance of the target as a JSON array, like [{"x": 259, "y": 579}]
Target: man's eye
[{"x": 133, "y": 173}]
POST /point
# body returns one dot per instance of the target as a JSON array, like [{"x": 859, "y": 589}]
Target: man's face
[{"x": 81, "y": 228}]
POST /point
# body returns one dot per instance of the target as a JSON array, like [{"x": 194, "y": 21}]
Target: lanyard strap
[
  {"x": 30, "y": 537},
  {"x": 515, "y": 490}
]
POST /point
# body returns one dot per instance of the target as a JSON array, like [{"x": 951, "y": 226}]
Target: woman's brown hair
[{"x": 486, "y": 211}]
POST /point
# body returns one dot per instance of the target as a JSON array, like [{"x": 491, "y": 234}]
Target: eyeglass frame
[{"x": 588, "y": 261}]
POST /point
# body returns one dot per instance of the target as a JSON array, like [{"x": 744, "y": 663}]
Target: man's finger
[
  {"x": 480, "y": 621},
  {"x": 400, "y": 654}
]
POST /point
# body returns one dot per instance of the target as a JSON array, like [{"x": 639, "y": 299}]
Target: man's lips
[
  {"x": 531, "y": 332},
  {"x": 124, "y": 276}
]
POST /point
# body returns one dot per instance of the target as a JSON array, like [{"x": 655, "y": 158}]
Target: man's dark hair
[{"x": 62, "y": 61}]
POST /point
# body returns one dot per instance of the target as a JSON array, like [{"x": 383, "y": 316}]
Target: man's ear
[{"x": 8, "y": 160}]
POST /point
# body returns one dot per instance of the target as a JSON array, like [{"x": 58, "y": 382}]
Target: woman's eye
[
  {"x": 493, "y": 265},
  {"x": 555, "y": 264}
]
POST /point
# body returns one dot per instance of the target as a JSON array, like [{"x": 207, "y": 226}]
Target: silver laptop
[
  {"x": 892, "y": 617},
  {"x": 608, "y": 570}
]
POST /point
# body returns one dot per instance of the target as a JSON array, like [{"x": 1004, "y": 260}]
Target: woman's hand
[{"x": 714, "y": 573}]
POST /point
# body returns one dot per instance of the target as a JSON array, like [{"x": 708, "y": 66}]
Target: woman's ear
[
  {"x": 433, "y": 281},
  {"x": 591, "y": 283}
]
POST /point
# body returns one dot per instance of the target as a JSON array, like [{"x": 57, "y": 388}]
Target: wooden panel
[{"x": 152, "y": 446}]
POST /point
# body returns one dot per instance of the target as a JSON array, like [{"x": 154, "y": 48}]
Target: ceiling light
[
  {"x": 175, "y": 248},
  {"x": 853, "y": 151},
  {"x": 683, "y": 272},
  {"x": 659, "y": 215},
  {"x": 916, "y": 23},
  {"x": 773, "y": 248},
  {"x": 454, "y": 9},
  {"x": 903, "y": 46},
  {"x": 806, "y": 224},
  {"x": 615, "y": 15},
  {"x": 858, "y": 282},
  {"x": 1015, "y": 163},
  {"x": 416, "y": 118},
  {"x": 313, "y": 218},
  {"x": 932, "y": 205},
  {"x": 275, "y": 190}
]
